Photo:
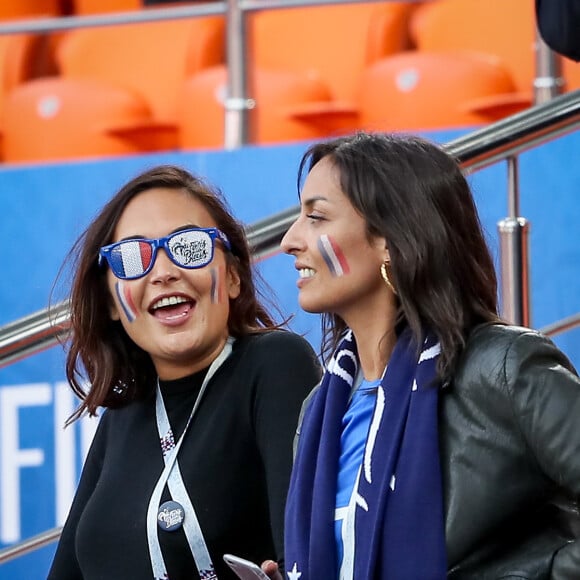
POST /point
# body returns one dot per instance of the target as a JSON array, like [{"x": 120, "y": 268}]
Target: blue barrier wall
[{"x": 44, "y": 209}]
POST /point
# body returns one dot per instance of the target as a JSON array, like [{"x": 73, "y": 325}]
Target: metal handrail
[
  {"x": 29, "y": 545},
  {"x": 60, "y": 23},
  {"x": 561, "y": 326},
  {"x": 34, "y": 333},
  {"x": 475, "y": 151},
  {"x": 518, "y": 133},
  {"x": 56, "y": 24}
]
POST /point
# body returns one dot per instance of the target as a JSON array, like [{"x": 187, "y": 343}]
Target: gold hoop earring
[{"x": 385, "y": 276}]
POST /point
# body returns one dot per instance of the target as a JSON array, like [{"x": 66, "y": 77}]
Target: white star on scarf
[{"x": 294, "y": 574}]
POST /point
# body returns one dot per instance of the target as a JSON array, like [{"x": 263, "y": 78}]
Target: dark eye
[{"x": 313, "y": 216}]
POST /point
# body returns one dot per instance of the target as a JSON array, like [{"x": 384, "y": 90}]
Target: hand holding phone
[{"x": 245, "y": 569}]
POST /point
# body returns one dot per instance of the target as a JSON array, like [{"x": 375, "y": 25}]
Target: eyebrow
[
  {"x": 312, "y": 200},
  {"x": 175, "y": 231}
]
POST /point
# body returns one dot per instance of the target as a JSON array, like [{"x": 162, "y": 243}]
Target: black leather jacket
[{"x": 510, "y": 457}]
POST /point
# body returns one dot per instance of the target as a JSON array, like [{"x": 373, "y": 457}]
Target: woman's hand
[{"x": 271, "y": 569}]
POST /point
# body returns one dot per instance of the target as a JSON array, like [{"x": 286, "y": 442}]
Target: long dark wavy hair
[
  {"x": 414, "y": 194},
  {"x": 100, "y": 352}
]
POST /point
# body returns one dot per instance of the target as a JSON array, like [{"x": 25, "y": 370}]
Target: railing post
[
  {"x": 548, "y": 82},
  {"x": 514, "y": 270},
  {"x": 514, "y": 255},
  {"x": 236, "y": 103}
]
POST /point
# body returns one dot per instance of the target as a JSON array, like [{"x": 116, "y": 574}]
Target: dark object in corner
[{"x": 559, "y": 26}]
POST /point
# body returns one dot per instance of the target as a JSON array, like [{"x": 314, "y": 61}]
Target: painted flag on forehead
[{"x": 132, "y": 258}]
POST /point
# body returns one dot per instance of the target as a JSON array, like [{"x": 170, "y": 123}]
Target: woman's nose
[
  {"x": 291, "y": 241},
  {"x": 164, "y": 270}
]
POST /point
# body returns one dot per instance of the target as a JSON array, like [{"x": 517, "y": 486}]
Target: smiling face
[
  {"x": 339, "y": 265},
  {"x": 178, "y": 316}
]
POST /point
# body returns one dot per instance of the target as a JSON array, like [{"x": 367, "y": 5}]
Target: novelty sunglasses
[{"x": 191, "y": 248}]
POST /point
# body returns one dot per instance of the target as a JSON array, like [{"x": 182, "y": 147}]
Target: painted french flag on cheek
[
  {"x": 215, "y": 291},
  {"x": 333, "y": 256},
  {"x": 126, "y": 300},
  {"x": 133, "y": 258}
]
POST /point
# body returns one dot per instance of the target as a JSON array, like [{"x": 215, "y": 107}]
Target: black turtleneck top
[{"x": 235, "y": 461}]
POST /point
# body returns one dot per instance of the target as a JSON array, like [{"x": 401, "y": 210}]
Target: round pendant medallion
[{"x": 170, "y": 516}]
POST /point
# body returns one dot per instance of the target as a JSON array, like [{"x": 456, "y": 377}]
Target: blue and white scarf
[{"x": 399, "y": 521}]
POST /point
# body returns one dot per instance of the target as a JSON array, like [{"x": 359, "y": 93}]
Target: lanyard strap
[{"x": 171, "y": 476}]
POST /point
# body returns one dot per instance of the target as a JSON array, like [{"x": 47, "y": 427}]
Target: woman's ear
[
  {"x": 386, "y": 253},
  {"x": 382, "y": 249},
  {"x": 233, "y": 281}
]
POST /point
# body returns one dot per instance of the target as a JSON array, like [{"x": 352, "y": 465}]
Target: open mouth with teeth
[
  {"x": 171, "y": 307},
  {"x": 306, "y": 272}
]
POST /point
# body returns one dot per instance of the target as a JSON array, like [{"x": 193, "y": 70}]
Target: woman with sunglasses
[
  {"x": 202, "y": 390},
  {"x": 441, "y": 443}
]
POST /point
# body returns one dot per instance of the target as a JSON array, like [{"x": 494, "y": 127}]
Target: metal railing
[
  {"x": 33, "y": 333},
  {"x": 494, "y": 143},
  {"x": 29, "y": 545}
]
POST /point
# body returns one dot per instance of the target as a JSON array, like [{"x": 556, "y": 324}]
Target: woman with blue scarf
[{"x": 441, "y": 442}]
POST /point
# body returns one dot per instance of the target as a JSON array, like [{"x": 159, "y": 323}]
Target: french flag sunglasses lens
[{"x": 131, "y": 259}]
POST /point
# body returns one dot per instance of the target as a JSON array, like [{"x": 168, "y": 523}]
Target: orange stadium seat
[
  {"x": 47, "y": 119},
  {"x": 149, "y": 62},
  {"x": 331, "y": 42},
  {"x": 306, "y": 65},
  {"x": 81, "y": 7},
  {"x": 280, "y": 98},
  {"x": 18, "y": 58},
  {"x": 505, "y": 28},
  {"x": 152, "y": 59},
  {"x": 22, "y": 9},
  {"x": 422, "y": 90}
]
